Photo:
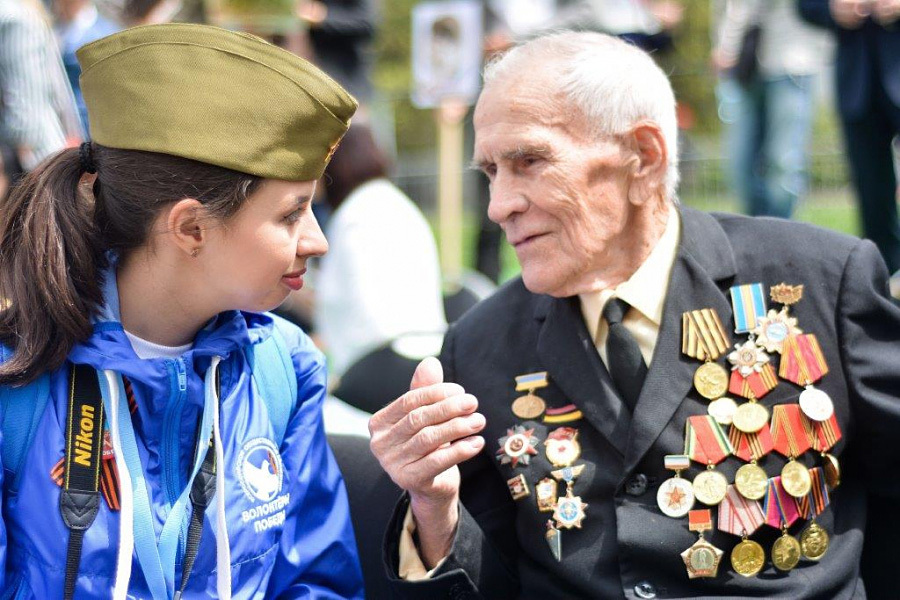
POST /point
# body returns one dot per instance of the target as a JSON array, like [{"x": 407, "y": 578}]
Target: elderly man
[{"x": 723, "y": 469}]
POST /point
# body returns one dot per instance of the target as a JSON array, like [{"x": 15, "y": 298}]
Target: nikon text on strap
[{"x": 79, "y": 500}]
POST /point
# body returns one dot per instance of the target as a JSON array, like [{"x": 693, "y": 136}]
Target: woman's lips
[{"x": 294, "y": 280}]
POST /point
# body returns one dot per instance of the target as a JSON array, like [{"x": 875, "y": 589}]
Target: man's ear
[
  {"x": 649, "y": 176},
  {"x": 187, "y": 224}
]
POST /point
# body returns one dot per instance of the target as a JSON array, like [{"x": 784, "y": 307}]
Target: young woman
[{"x": 167, "y": 458}]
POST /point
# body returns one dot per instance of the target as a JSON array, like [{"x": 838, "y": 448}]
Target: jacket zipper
[{"x": 171, "y": 441}]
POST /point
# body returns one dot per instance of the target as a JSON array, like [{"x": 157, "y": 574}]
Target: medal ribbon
[
  {"x": 779, "y": 507},
  {"x": 756, "y": 384},
  {"x": 750, "y": 446},
  {"x": 700, "y": 520},
  {"x": 702, "y": 334},
  {"x": 738, "y": 515},
  {"x": 825, "y": 434},
  {"x": 802, "y": 361},
  {"x": 704, "y": 440},
  {"x": 749, "y": 306},
  {"x": 677, "y": 462},
  {"x": 791, "y": 430},
  {"x": 818, "y": 498}
]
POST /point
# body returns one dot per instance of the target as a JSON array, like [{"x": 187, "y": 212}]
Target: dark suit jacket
[
  {"x": 863, "y": 55},
  {"x": 627, "y": 547}
]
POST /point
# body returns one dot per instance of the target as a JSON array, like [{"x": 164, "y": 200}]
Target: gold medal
[
  {"x": 546, "y": 492},
  {"x": 750, "y": 417},
  {"x": 814, "y": 541},
  {"x": 722, "y": 410},
  {"x": 529, "y": 406},
  {"x": 562, "y": 446},
  {"x": 748, "y": 558},
  {"x": 795, "y": 479},
  {"x": 832, "y": 470},
  {"x": 518, "y": 487},
  {"x": 569, "y": 511},
  {"x": 751, "y": 481},
  {"x": 786, "y": 552},
  {"x": 710, "y": 487},
  {"x": 711, "y": 380}
]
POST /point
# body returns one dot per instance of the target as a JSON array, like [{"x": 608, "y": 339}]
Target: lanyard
[{"x": 157, "y": 560}]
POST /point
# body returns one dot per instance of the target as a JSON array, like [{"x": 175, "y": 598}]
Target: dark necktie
[{"x": 623, "y": 355}]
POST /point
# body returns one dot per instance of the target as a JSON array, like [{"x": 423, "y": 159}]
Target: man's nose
[{"x": 507, "y": 199}]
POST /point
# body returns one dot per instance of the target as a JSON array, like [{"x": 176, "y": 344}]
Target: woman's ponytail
[{"x": 50, "y": 267}]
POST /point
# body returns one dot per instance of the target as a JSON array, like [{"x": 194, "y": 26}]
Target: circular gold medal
[
  {"x": 710, "y": 487},
  {"x": 528, "y": 406},
  {"x": 795, "y": 479},
  {"x": 751, "y": 481},
  {"x": 750, "y": 417},
  {"x": 711, "y": 380},
  {"x": 814, "y": 541},
  {"x": 816, "y": 404},
  {"x": 748, "y": 558},
  {"x": 722, "y": 410},
  {"x": 832, "y": 470},
  {"x": 562, "y": 452},
  {"x": 786, "y": 552}
]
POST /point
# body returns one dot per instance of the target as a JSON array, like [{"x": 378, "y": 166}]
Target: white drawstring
[
  {"x": 223, "y": 548},
  {"x": 126, "y": 500}
]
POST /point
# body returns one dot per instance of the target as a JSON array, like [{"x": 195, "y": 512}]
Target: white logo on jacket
[{"x": 260, "y": 470}]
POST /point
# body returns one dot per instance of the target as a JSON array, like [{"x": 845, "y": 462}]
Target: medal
[
  {"x": 749, "y": 306},
  {"x": 750, "y": 417},
  {"x": 705, "y": 443},
  {"x": 563, "y": 414},
  {"x": 814, "y": 542},
  {"x": 786, "y": 294},
  {"x": 554, "y": 540},
  {"x": 738, "y": 515},
  {"x": 702, "y": 559},
  {"x": 711, "y": 380},
  {"x": 812, "y": 505},
  {"x": 518, "y": 487},
  {"x": 816, "y": 404},
  {"x": 518, "y": 445},
  {"x": 779, "y": 507},
  {"x": 562, "y": 446},
  {"x": 825, "y": 434},
  {"x": 786, "y": 551},
  {"x": 795, "y": 479},
  {"x": 802, "y": 360},
  {"x": 702, "y": 335},
  {"x": 722, "y": 410},
  {"x": 529, "y": 406},
  {"x": 773, "y": 329},
  {"x": 748, "y": 558},
  {"x": 569, "y": 511},
  {"x": 747, "y": 358},
  {"x": 791, "y": 431},
  {"x": 710, "y": 487},
  {"x": 832, "y": 469},
  {"x": 751, "y": 481},
  {"x": 750, "y": 446},
  {"x": 755, "y": 385},
  {"x": 546, "y": 491},
  {"x": 675, "y": 497}
]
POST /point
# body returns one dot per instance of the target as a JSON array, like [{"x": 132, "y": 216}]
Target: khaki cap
[{"x": 216, "y": 96}]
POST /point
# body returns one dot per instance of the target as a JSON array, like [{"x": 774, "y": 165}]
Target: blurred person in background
[
  {"x": 379, "y": 287},
  {"x": 78, "y": 22},
  {"x": 37, "y": 109},
  {"x": 149, "y": 12},
  {"x": 768, "y": 60},
  {"x": 868, "y": 93}
]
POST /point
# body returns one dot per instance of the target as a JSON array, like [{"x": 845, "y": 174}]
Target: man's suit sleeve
[
  {"x": 817, "y": 13},
  {"x": 481, "y": 560},
  {"x": 869, "y": 333}
]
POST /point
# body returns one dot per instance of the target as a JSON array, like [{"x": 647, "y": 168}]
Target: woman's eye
[{"x": 294, "y": 216}]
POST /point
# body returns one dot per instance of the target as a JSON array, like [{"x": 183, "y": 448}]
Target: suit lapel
[
  {"x": 704, "y": 264},
  {"x": 568, "y": 353}
]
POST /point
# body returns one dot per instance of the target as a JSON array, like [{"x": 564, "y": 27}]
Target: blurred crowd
[{"x": 369, "y": 314}]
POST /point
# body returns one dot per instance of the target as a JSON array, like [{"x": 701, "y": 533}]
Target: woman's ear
[{"x": 186, "y": 223}]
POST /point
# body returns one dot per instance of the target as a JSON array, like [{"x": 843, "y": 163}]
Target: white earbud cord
[
  {"x": 126, "y": 500},
  {"x": 223, "y": 548}
]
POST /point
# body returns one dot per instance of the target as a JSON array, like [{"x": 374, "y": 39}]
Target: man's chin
[{"x": 543, "y": 283}]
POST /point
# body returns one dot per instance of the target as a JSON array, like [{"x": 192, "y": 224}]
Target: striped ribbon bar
[
  {"x": 702, "y": 334},
  {"x": 563, "y": 414},
  {"x": 791, "y": 430},
  {"x": 704, "y": 440},
  {"x": 779, "y": 507},
  {"x": 825, "y": 434},
  {"x": 738, "y": 515},
  {"x": 818, "y": 498},
  {"x": 802, "y": 361},
  {"x": 677, "y": 462},
  {"x": 749, "y": 304},
  {"x": 756, "y": 385},
  {"x": 531, "y": 381},
  {"x": 750, "y": 446},
  {"x": 109, "y": 474},
  {"x": 700, "y": 520}
]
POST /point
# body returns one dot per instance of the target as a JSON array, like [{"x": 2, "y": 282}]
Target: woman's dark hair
[
  {"x": 55, "y": 232},
  {"x": 357, "y": 160}
]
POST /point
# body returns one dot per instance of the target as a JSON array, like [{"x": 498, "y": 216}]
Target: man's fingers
[
  {"x": 434, "y": 414},
  {"x": 399, "y": 408},
  {"x": 428, "y": 372},
  {"x": 421, "y": 473},
  {"x": 432, "y": 437}
]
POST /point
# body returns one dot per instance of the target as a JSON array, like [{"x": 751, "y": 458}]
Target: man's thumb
[{"x": 427, "y": 373}]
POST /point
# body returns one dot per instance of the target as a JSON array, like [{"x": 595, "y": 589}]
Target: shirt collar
[{"x": 646, "y": 289}]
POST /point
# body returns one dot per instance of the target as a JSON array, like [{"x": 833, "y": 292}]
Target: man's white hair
[{"x": 613, "y": 84}]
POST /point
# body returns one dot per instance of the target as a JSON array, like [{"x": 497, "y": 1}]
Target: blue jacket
[{"x": 311, "y": 553}]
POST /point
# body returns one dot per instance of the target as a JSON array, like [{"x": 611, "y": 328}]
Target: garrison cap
[{"x": 220, "y": 97}]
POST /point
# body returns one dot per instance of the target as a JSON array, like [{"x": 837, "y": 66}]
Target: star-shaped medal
[
  {"x": 569, "y": 511},
  {"x": 747, "y": 358},
  {"x": 518, "y": 445},
  {"x": 772, "y": 329}
]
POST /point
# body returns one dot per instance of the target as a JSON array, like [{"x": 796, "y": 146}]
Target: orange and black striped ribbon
[
  {"x": 750, "y": 446},
  {"x": 802, "y": 360},
  {"x": 702, "y": 334},
  {"x": 825, "y": 434},
  {"x": 818, "y": 497},
  {"x": 791, "y": 430},
  {"x": 756, "y": 385}
]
